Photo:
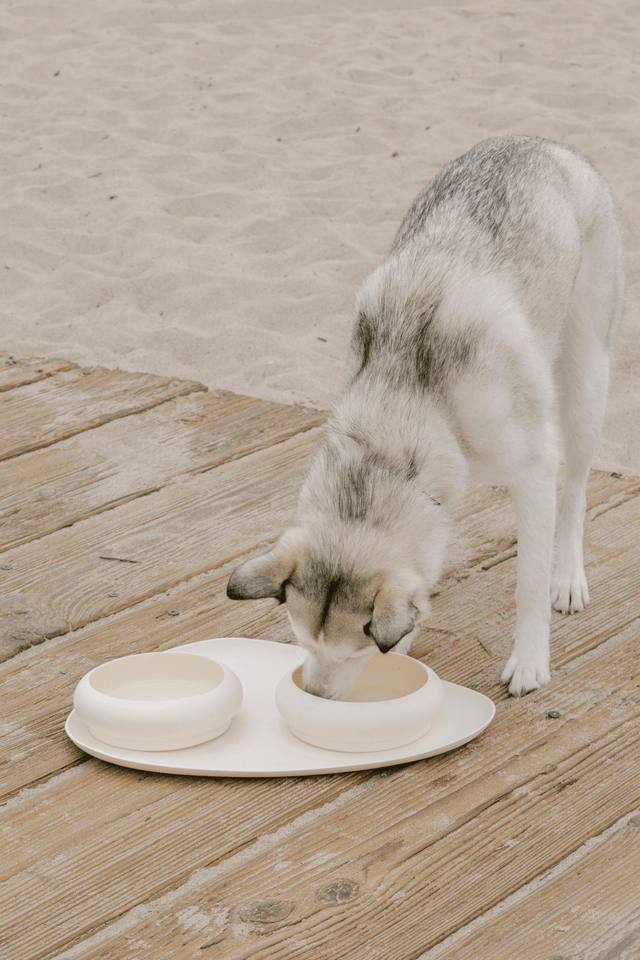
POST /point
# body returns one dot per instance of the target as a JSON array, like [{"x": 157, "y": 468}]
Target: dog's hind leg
[
  {"x": 582, "y": 411},
  {"x": 584, "y": 381}
]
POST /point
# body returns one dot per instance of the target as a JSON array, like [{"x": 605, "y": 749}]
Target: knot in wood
[
  {"x": 341, "y": 891},
  {"x": 266, "y": 911}
]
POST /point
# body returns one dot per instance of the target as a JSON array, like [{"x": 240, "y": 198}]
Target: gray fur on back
[
  {"x": 506, "y": 209},
  {"x": 491, "y": 186}
]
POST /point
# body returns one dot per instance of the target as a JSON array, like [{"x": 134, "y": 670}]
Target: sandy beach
[{"x": 196, "y": 188}]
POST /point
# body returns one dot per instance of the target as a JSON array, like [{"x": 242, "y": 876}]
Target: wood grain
[
  {"x": 443, "y": 839},
  {"x": 467, "y": 640},
  {"x": 591, "y": 910},
  {"x": 152, "y": 490},
  {"x": 147, "y": 546},
  {"x": 484, "y": 529},
  {"x": 150, "y": 543},
  {"x": 35, "y": 746},
  {"x": 528, "y": 721},
  {"x": 103, "y": 468},
  {"x": 471, "y": 638},
  {"x": 54, "y": 408},
  {"x": 411, "y": 877},
  {"x": 16, "y": 372}
]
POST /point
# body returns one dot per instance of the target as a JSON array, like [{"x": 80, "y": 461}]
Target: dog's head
[{"x": 343, "y": 604}]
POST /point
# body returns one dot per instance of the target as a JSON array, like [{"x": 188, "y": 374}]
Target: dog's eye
[{"x": 367, "y": 628}]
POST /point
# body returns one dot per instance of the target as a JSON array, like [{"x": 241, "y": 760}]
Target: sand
[{"x": 196, "y": 188}]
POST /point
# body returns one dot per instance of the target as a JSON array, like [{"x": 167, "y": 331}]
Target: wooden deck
[{"x": 124, "y": 496}]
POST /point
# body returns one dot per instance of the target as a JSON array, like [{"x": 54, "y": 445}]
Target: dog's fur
[{"x": 502, "y": 291}]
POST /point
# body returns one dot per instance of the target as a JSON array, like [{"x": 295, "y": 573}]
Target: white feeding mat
[{"x": 259, "y": 744}]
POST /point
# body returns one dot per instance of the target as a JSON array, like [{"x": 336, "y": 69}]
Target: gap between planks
[
  {"x": 104, "y": 467},
  {"x": 567, "y": 911},
  {"x": 41, "y": 413},
  {"x": 476, "y": 611},
  {"x": 428, "y": 830},
  {"x": 521, "y": 724},
  {"x": 503, "y": 583}
]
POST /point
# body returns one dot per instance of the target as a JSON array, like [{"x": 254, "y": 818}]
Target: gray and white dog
[{"x": 501, "y": 294}]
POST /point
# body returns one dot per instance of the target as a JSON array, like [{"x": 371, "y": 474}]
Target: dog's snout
[{"x": 317, "y": 691}]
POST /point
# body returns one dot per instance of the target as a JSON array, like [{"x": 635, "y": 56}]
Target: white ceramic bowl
[
  {"x": 158, "y": 701},
  {"x": 394, "y": 702}
]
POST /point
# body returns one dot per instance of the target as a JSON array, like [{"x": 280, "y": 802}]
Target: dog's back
[
  {"x": 508, "y": 221},
  {"x": 502, "y": 187}
]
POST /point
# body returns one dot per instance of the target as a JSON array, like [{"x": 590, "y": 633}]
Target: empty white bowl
[
  {"x": 394, "y": 702},
  {"x": 158, "y": 701}
]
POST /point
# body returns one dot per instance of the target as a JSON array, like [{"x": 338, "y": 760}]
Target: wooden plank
[
  {"x": 407, "y": 869},
  {"x": 523, "y": 726},
  {"x": 16, "y": 372},
  {"x": 47, "y": 411},
  {"x": 119, "y": 558},
  {"x": 590, "y": 910},
  {"x": 479, "y": 609},
  {"x": 25, "y": 621},
  {"x": 484, "y": 531},
  {"x": 103, "y": 468},
  {"x": 219, "y": 819},
  {"x": 620, "y": 942},
  {"x": 37, "y": 690},
  {"x": 409, "y": 854}
]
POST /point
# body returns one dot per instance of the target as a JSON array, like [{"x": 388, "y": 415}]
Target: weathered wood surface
[
  {"x": 17, "y": 372},
  {"x": 543, "y": 923},
  {"x": 71, "y": 574},
  {"x": 100, "y": 861},
  {"x": 412, "y": 842},
  {"x": 62, "y": 405},
  {"x": 468, "y": 642},
  {"x": 98, "y": 470}
]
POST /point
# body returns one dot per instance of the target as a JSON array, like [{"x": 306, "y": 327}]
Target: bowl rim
[
  {"x": 155, "y": 654},
  {"x": 354, "y": 726},
  {"x": 308, "y": 708},
  {"x": 364, "y": 704},
  {"x": 95, "y": 707}
]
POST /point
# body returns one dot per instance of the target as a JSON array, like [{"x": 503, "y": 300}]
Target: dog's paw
[
  {"x": 569, "y": 594},
  {"x": 524, "y": 675}
]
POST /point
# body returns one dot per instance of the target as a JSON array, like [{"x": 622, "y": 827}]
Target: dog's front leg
[{"x": 535, "y": 502}]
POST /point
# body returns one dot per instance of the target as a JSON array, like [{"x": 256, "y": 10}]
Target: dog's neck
[
  {"x": 410, "y": 440},
  {"x": 374, "y": 507}
]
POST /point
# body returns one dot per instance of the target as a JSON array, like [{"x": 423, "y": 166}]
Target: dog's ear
[
  {"x": 397, "y": 610},
  {"x": 265, "y": 576}
]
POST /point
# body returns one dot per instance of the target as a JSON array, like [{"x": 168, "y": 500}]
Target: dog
[{"x": 497, "y": 304}]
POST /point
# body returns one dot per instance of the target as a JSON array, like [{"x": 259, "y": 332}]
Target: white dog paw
[
  {"x": 524, "y": 676},
  {"x": 569, "y": 594}
]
